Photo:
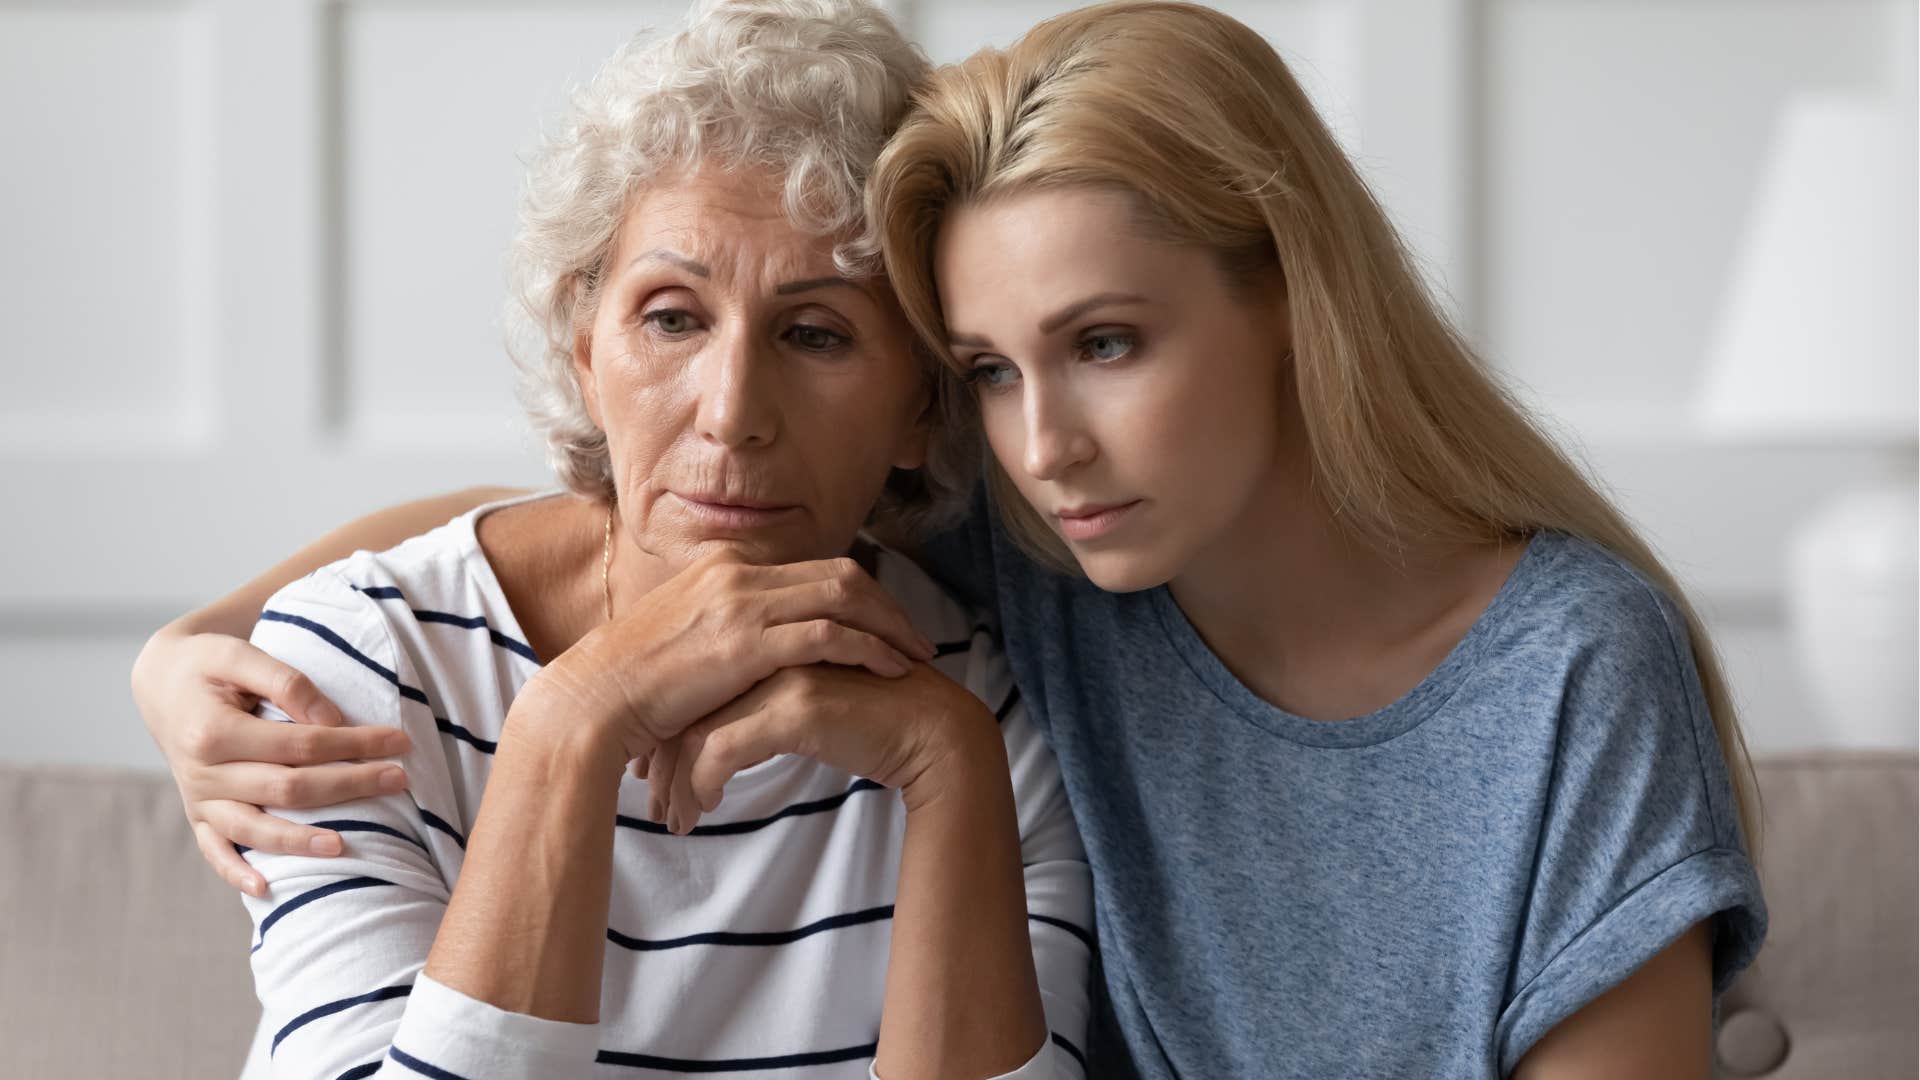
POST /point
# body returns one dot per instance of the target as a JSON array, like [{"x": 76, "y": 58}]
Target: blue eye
[
  {"x": 993, "y": 375},
  {"x": 1106, "y": 346}
]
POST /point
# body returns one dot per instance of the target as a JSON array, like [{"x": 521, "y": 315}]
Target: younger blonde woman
[{"x": 1396, "y": 752}]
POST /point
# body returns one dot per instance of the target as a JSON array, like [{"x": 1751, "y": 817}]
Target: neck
[{"x": 1320, "y": 622}]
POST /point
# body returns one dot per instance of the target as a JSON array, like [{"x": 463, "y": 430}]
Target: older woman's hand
[
  {"x": 896, "y": 732},
  {"x": 196, "y": 693},
  {"x": 714, "y": 630}
]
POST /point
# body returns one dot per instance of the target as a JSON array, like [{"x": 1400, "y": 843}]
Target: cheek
[{"x": 641, "y": 408}]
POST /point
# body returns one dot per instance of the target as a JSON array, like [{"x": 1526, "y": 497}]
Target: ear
[{"x": 583, "y": 374}]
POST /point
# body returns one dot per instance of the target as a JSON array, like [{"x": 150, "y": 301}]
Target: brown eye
[{"x": 816, "y": 338}]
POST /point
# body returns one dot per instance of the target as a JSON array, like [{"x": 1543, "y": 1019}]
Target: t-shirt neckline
[{"x": 1390, "y": 721}]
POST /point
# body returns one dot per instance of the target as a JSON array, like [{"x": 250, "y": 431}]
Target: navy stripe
[
  {"x": 1085, "y": 938},
  {"x": 734, "y": 828},
  {"x": 437, "y": 822},
  {"x": 470, "y": 622},
  {"x": 684, "y": 1065},
  {"x": 346, "y": 825},
  {"x": 1013, "y": 698},
  {"x": 408, "y": 692},
  {"x": 385, "y": 993},
  {"x": 359, "y": 1072},
  {"x": 421, "y": 1067},
  {"x": 309, "y": 897},
  {"x": 241, "y": 849},
  {"x": 340, "y": 643},
  {"x": 948, "y": 648},
  {"x": 477, "y": 622},
  {"x": 464, "y": 735},
  {"x": 771, "y": 937},
  {"x": 1061, "y": 1040}
]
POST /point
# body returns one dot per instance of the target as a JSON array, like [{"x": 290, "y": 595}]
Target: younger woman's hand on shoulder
[
  {"x": 909, "y": 733},
  {"x": 196, "y": 693}
]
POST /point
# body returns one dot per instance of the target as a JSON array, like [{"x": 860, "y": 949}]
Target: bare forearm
[
  {"x": 962, "y": 999},
  {"x": 234, "y": 613},
  {"x": 525, "y": 930}
]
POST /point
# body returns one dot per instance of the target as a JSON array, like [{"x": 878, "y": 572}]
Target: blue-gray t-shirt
[{"x": 1420, "y": 892}]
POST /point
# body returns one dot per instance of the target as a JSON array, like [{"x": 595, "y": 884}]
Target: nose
[
  {"x": 738, "y": 406},
  {"x": 1057, "y": 441}
]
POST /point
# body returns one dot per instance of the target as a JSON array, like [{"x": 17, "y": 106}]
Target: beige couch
[{"x": 122, "y": 956}]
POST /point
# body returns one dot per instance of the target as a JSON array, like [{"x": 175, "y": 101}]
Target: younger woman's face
[{"x": 1133, "y": 396}]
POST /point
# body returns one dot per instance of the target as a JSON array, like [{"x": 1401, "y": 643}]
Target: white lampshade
[{"x": 1817, "y": 338}]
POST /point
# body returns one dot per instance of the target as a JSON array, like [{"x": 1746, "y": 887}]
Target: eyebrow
[
  {"x": 1058, "y": 319},
  {"x": 1073, "y": 311},
  {"x": 811, "y": 284},
  {"x": 699, "y": 269}
]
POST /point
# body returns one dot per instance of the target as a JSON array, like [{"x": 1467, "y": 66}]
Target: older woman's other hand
[
  {"x": 899, "y": 733},
  {"x": 196, "y": 693}
]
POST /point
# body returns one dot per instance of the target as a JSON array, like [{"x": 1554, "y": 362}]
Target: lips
[
  {"x": 1090, "y": 521},
  {"x": 729, "y": 513},
  {"x": 729, "y": 501},
  {"x": 1090, "y": 509}
]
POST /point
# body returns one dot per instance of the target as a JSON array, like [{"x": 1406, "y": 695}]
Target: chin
[
  {"x": 1124, "y": 571},
  {"x": 683, "y": 550}
]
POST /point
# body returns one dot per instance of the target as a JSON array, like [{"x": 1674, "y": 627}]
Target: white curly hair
[{"x": 808, "y": 88}]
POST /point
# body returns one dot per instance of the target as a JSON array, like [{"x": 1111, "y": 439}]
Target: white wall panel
[
  {"x": 1624, "y": 142},
  {"x": 106, "y": 292},
  {"x": 438, "y": 105}
]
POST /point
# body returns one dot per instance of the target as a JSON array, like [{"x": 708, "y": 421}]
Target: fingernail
[
  {"x": 324, "y": 845},
  {"x": 393, "y": 780},
  {"x": 653, "y": 811},
  {"x": 928, "y": 649},
  {"x": 257, "y": 887}
]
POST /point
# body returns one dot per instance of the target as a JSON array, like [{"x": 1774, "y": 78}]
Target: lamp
[{"x": 1817, "y": 345}]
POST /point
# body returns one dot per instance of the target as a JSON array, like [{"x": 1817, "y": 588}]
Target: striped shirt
[{"x": 755, "y": 946}]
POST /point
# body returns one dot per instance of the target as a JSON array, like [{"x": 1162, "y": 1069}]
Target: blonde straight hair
[{"x": 1197, "y": 118}]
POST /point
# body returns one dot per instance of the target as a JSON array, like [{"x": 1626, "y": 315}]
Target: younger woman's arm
[
  {"x": 1658, "y": 1023},
  {"x": 197, "y": 680}
]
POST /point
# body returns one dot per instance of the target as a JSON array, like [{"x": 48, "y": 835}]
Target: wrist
[
  {"x": 550, "y": 717},
  {"x": 964, "y": 757}
]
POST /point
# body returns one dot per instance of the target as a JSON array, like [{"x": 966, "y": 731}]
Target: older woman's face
[{"x": 752, "y": 396}]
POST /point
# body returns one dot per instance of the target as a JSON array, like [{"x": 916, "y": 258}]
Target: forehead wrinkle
[
  {"x": 718, "y": 243},
  {"x": 666, "y": 255}
]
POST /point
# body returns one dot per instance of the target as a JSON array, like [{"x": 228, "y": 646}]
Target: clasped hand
[{"x": 729, "y": 664}]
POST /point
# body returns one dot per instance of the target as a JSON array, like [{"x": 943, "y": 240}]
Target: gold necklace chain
[{"x": 606, "y": 564}]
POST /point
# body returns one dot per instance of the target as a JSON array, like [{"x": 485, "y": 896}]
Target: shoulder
[
  {"x": 1631, "y": 713},
  {"x": 363, "y": 610},
  {"x": 1599, "y": 618}
]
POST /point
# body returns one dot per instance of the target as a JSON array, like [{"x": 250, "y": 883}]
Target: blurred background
[{"x": 252, "y": 279}]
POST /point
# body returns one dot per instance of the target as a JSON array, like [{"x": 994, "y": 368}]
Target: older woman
[{"x": 728, "y": 390}]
